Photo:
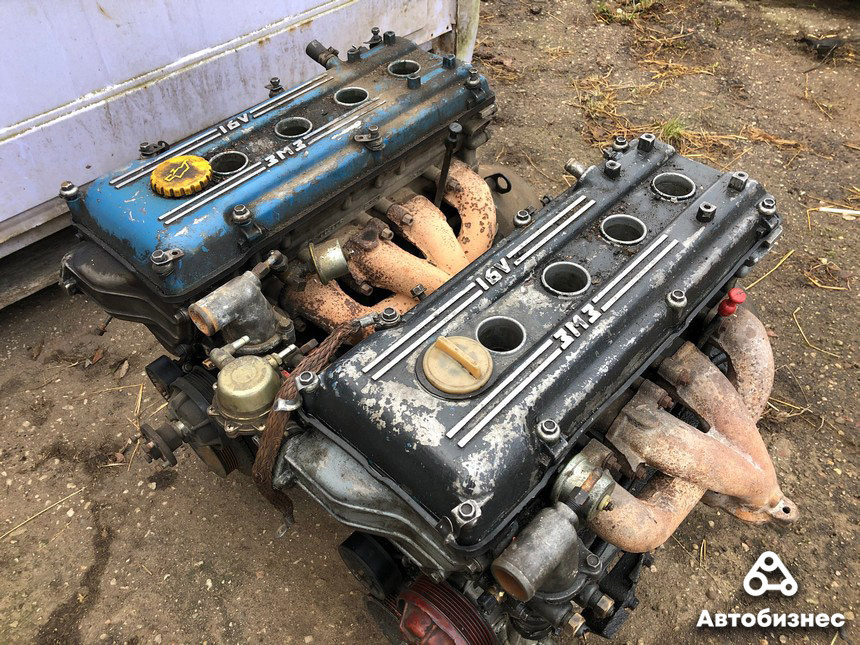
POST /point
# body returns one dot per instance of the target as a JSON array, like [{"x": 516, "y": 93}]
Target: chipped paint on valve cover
[
  {"x": 288, "y": 178},
  {"x": 578, "y": 353}
]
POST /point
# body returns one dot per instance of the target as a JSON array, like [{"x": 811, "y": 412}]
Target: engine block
[{"x": 572, "y": 308}]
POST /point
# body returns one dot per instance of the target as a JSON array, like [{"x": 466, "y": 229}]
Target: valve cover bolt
[
  {"x": 738, "y": 180},
  {"x": 522, "y": 218},
  {"x": 389, "y": 316},
  {"x": 620, "y": 144},
  {"x": 706, "y": 212},
  {"x": 549, "y": 431},
  {"x": 767, "y": 206},
  {"x": 68, "y": 191},
  {"x": 612, "y": 169},
  {"x": 241, "y": 214},
  {"x": 646, "y": 142}
]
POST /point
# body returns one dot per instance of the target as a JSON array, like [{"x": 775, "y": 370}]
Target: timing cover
[
  {"x": 286, "y": 182},
  {"x": 578, "y": 353}
]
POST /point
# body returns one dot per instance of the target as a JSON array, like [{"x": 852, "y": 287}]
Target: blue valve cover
[{"x": 298, "y": 155}]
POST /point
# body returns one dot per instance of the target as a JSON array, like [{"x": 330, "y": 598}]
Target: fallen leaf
[
  {"x": 122, "y": 370},
  {"x": 99, "y": 354}
]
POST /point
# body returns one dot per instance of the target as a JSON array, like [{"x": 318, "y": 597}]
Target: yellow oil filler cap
[
  {"x": 181, "y": 176},
  {"x": 457, "y": 365}
]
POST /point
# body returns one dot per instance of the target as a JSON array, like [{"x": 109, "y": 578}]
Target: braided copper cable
[{"x": 276, "y": 423}]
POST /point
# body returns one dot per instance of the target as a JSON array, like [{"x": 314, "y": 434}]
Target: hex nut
[
  {"x": 522, "y": 218},
  {"x": 677, "y": 299},
  {"x": 738, "y": 180},
  {"x": 474, "y": 79},
  {"x": 604, "y": 606},
  {"x": 467, "y": 511},
  {"x": 646, "y": 142},
  {"x": 68, "y": 191},
  {"x": 612, "y": 169},
  {"x": 706, "y": 212},
  {"x": 389, "y": 316},
  {"x": 549, "y": 431},
  {"x": 241, "y": 214},
  {"x": 767, "y": 206}
]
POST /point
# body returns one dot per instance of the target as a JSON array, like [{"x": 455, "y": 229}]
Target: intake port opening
[
  {"x": 350, "y": 96},
  {"x": 228, "y": 163},
  {"x": 501, "y": 334},
  {"x": 292, "y": 127},
  {"x": 403, "y": 68},
  {"x": 623, "y": 229},
  {"x": 565, "y": 279},
  {"x": 673, "y": 186}
]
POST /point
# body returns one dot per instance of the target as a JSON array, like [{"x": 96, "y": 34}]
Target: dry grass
[
  {"x": 601, "y": 101},
  {"x": 651, "y": 40},
  {"x": 497, "y": 70},
  {"x": 558, "y": 53},
  {"x": 825, "y": 108},
  {"x": 624, "y": 12},
  {"x": 756, "y": 134},
  {"x": 664, "y": 70},
  {"x": 778, "y": 264}
]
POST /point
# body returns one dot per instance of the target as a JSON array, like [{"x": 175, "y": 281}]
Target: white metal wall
[{"x": 83, "y": 82}]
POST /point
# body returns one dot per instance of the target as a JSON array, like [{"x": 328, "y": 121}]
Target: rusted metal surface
[
  {"x": 640, "y": 524},
  {"x": 744, "y": 338},
  {"x": 646, "y": 434},
  {"x": 728, "y": 464},
  {"x": 429, "y": 231},
  {"x": 375, "y": 261},
  {"x": 472, "y": 198},
  {"x": 714, "y": 399},
  {"x": 389, "y": 267},
  {"x": 329, "y": 306}
]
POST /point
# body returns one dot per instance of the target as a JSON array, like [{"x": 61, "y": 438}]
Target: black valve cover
[{"x": 577, "y": 352}]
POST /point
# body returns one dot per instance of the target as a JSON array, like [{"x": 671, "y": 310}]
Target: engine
[{"x": 512, "y": 400}]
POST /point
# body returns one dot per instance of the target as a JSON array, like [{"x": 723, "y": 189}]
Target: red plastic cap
[{"x": 735, "y": 297}]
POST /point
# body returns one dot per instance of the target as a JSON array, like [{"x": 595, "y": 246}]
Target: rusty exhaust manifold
[
  {"x": 375, "y": 261},
  {"x": 727, "y": 466}
]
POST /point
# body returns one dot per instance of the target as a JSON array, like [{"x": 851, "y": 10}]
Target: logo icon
[
  {"x": 756, "y": 581},
  {"x": 178, "y": 172}
]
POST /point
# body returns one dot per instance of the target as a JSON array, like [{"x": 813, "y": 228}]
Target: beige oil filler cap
[{"x": 457, "y": 364}]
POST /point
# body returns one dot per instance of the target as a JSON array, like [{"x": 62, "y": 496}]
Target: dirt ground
[{"x": 139, "y": 554}]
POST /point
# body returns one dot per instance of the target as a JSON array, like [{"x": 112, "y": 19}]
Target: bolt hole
[
  {"x": 350, "y": 96},
  {"x": 565, "y": 279},
  {"x": 501, "y": 334},
  {"x": 292, "y": 127},
  {"x": 228, "y": 163},
  {"x": 403, "y": 68},
  {"x": 673, "y": 186},
  {"x": 623, "y": 229}
]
